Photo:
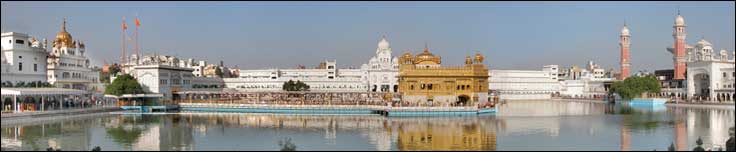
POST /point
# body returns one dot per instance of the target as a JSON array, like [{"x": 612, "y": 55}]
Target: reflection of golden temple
[
  {"x": 442, "y": 137},
  {"x": 421, "y": 79}
]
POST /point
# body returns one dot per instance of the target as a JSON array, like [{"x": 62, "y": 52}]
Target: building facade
[
  {"x": 23, "y": 59},
  {"x": 68, "y": 65},
  {"x": 423, "y": 81},
  {"x": 325, "y": 78},
  {"x": 380, "y": 74},
  {"x": 168, "y": 75},
  {"x": 592, "y": 81},
  {"x": 383, "y": 69},
  {"x": 700, "y": 73},
  {"x": 525, "y": 84},
  {"x": 710, "y": 76}
]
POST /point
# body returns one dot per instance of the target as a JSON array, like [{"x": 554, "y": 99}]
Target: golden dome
[
  {"x": 426, "y": 56},
  {"x": 63, "y": 38},
  {"x": 478, "y": 58},
  {"x": 468, "y": 60}
]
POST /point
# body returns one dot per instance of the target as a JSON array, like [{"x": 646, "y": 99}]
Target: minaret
[
  {"x": 679, "y": 58},
  {"x": 624, "y": 43}
]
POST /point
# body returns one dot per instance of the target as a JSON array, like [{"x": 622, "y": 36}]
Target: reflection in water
[
  {"x": 73, "y": 134},
  {"x": 524, "y": 125},
  {"x": 448, "y": 134}
]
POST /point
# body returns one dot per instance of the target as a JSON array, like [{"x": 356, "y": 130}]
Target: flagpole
[
  {"x": 136, "y": 39},
  {"x": 124, "y": 54},
  {"x": 123, "y": 57}
]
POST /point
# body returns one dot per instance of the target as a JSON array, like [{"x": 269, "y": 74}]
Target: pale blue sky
[{"x": 256, "y": 35}]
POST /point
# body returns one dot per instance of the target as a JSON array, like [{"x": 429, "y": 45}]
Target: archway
[
  {"x": 702, "y": 85},
  {"x": 396, "y": 88},
  {"x": 374, "y": 88},
  {"x": 462, "y": 100}
]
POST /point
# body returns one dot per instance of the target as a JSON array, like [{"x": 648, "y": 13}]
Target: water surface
[{"x": 522, "y": 125}]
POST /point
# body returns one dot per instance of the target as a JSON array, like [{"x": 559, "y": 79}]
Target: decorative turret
[
  {"x": 478, "y": 58},
  {"x": 406, "y": 58},
  {"x": 468, "y": 61}
]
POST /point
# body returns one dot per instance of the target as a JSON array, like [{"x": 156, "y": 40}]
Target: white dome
[
  {"x": 703, "y": 42},
  {"x": 383, "y": 44},
  {"x": 625, "y": 31},
  {"x": 679, "y": 20}
]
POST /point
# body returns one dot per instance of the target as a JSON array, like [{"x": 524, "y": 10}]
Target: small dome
[
  {"x": 625, "y": 31},
  {"x": 703, "y": 42},
  {"x": 478, "y": 58},
  {"x": 679, "y": 21},
  {"x": 383, "y": 44}
]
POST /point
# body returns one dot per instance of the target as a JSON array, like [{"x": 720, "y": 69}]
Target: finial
[
  {"x": 624, "y": 23},
  {"x": 63, "y": 25},
  {"x": 678, "y": 10}
]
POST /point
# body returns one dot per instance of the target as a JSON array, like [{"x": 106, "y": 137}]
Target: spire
[
  {"x": 624, "y": 23},
  {"x": 63, "y": 25},
  {"x": 678, "y": 10},
  {"x": 426, "y": 48}
]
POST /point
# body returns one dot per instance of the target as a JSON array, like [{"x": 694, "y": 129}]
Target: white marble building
[
  {"x": 380, "y": 74},
  {"x": 592, "y": 81},
  {"x": 68, "y": 66},
  {"x": 382, "y": 69},
  {"x": 525, "y": 84},
  {"x": 168, "y": 75},
  {"x": 23, "y": 58},
  {"x": 326, "y": 78},
  {"x": 709, "y": 74}
]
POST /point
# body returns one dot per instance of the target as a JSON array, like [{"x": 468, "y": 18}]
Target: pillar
[
  {"x": 15, "y": 103},
  {"x": 43, "y": 105}
]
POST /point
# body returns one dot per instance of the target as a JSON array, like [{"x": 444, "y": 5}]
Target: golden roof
[
  {"x": 63, "y": 38},
  {"x": 426, "y": 56}
]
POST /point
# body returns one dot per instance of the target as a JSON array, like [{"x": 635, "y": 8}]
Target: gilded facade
[{"x": 422, "y": 80}]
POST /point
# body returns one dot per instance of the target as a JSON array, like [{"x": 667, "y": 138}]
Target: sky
[{"x": 260, "y": 35}]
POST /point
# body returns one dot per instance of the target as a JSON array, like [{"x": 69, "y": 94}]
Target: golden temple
[{"x": 423, "y": 81}]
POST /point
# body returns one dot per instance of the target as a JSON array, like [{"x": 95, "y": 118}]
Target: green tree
[
  {"x": 20, "y": 84},
  {"x": 124, "y": 84},
  {"x": 633, "y": 87},
  {"x": 112, "y": 70},
  {"x": 295, "y": 86},
  {"x": 286, "y": 145}
]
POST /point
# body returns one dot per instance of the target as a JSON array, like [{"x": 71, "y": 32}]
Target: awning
[
  {"x": 42, "y": 91},
  {"x": 152, "y": 95}
]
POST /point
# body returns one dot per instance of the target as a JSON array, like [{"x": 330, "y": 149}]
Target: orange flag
[
  {"x": 137, "y": 22},
  {"x": 124, "y": 26}
]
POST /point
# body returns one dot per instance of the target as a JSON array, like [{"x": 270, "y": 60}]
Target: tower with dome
[
  {"x": 382, "y": 69},
  {"x": 68, "y": 65},
  {"x": 700, "y": 72}
]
